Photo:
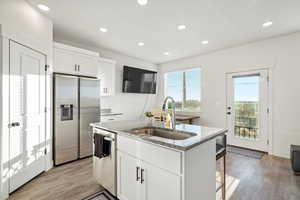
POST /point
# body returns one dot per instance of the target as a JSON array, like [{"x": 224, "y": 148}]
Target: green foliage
[{"x": 149, "y": 114}]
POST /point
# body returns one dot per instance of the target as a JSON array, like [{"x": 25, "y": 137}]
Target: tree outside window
[{"x": 185, "y": 88}]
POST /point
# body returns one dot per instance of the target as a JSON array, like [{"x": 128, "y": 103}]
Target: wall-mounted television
[{"x": 137, "y": 80}]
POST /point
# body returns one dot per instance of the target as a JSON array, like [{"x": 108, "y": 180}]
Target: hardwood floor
[
  {"x": 270, "y": 178},
  {"x": 72, "y": 181}
]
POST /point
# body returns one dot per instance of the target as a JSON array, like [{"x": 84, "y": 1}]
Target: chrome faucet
[{"x": 173, "y": 110}]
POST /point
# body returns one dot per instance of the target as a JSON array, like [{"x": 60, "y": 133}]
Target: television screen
[{"x": 139, "y": 80}]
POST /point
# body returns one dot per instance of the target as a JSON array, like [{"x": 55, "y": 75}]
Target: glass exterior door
[{"x": 247, "y": 109}]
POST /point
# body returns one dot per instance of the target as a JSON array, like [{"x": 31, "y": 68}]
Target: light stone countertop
[{"x": 202, "y": 133}]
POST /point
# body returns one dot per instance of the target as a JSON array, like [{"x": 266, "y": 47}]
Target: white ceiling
[{"x": 224, "y": 23}]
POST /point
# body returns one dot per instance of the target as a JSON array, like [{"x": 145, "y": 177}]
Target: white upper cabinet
[
  {"x": 107, "y": 75},
  {"x": 72, "y": 60}
]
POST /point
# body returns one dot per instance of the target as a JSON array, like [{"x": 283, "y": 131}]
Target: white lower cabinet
[
  {"x": 140, "y": 179},
  {"x": 128, "y": 185},
  {"x": 159, "y": 184}
]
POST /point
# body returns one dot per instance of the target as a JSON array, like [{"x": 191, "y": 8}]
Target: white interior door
[
  {"x": 247, "y": 109},
  {"x": 27, "y": 115}
]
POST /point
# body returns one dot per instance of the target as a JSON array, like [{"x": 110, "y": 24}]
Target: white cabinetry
[
  {"x": 72, "y": 60},
  {"x": 107, "y": 76},
  {"x": 109, "y": 118},
  {"x": 159, "y": 184},
  {"x": 145, "y": 175},
  {"x": 151, "y": 172},
  {"x": 128, "y": 169}
]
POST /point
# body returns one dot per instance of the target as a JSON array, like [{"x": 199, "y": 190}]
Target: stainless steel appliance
[
  {"x": 76, "y": 105},
  {"x": 104, "y": 169}
]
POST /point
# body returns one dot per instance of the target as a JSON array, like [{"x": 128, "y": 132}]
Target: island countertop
[{"x": 202, "y": 134}]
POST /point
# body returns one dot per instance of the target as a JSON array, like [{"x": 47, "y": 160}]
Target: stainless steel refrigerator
[{"x": 76, "y": 105}]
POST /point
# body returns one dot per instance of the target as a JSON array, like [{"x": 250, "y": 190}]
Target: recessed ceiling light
[
  {"x": 104, "y": 30},
  {"x": 205, "y": 42},
  {"x": 181, "y": 27},
  {"x": 166, "y": 53},
  {"x": 142, "y": 2},
  {"x": 141, "y": 44},
  {"x": 43, "y": 7},
  {"x": 266, "y": 24}
]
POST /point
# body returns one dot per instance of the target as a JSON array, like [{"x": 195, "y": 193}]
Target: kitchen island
[{"x": 157, "y": 163}]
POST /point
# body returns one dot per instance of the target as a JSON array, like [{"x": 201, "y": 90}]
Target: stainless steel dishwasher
[{"x": 105, "y": 169}]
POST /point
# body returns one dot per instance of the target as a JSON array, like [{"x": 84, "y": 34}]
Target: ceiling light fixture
[
  {"x": 266, "y": 24},
  {"x": 141, "y": 44},
  {"x": 142, "y": 2},
  {"x": 166, "y": 53},
  {"x": 43, "y": 7},
  {"x": 204, "y": 42},
  {"x": 181, "y": 27},
  {"x": 104, "y": 30}
]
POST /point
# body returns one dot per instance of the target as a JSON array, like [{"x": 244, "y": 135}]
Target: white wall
[
  {"x": 281, "y": 55},
  {"x": 22, "y": 23},
  {"x": 132, "y": 106}
]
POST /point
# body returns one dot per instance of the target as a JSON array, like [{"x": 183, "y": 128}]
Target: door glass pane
[
  {"x": 174, "y": 87},
  {"x": 246, "y": 102}
]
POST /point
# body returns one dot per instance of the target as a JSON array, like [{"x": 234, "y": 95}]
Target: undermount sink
[{"x": 163, "y": 133}]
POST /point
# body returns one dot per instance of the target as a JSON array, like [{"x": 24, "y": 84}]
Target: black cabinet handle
[
  {"x": 142, "y": 176},
  {"x": 228, "y": 113},
  {"x": 137, "y": 173},
  {"x": 14, "y": 124}
]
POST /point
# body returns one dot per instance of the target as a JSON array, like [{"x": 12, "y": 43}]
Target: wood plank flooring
[
  {"x": 270, "y": 178},
  {"x": 68, "y": 182}
]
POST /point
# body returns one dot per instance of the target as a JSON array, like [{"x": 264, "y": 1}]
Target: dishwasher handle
[{"x": 109, "y": 139}]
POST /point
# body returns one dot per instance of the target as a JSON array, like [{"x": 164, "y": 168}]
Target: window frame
[{"x": 182, "y": 110}]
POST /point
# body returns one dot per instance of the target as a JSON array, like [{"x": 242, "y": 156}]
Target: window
[{"x": 185, "y": 88}]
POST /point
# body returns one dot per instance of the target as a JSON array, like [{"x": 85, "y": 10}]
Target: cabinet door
[
  {"x": 88, "y": 65},
  {"x": 107, "y": 76},
  {"x": 64, "y": 61},
  {"x": 128, "y": 177},
  {"x": 159, "y": 184}
]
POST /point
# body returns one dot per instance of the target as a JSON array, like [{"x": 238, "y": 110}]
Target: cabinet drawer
[
  {"x": 111, "y": 118},
  {"x": 158, "y": 156}
]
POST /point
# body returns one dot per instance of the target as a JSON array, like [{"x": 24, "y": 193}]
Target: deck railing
[{"x": 246, "y": 132}]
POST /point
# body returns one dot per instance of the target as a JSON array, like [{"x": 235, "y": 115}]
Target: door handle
[
  {"x": 137, "y": 173},
  {"x": 142, "y": 176},
  {"x": 228, "y": 113}
]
